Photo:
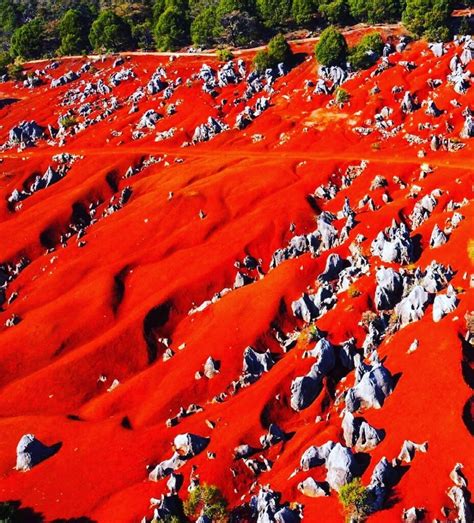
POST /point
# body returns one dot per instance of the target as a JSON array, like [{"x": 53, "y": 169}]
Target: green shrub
[
  {"x": 15, "y": 71},
  {"x": 279, "y": 50},
  {"x": 342, "y": 96},
  {"x": 224, "y": 54},
  {"x": 355, "y": 498},
  {"x": 73, "y": 29},
  {"x": 361, "y": 57},
  {"x": 262, "y": 61},
  {"x": 171, "y": 30},
  {"x": 428, "y": 18},
  {"x": 68, "y": 121},
  {"x": 5, "y": 61},
  {"x": 335, "y": 12},
  {"x": 110, "y": 32},
  {"x": 274, "y": 13},
  {"x": 202, "y": 27},
  {"x": 303, "y": 11},
  {"x": 331, "y": 48},
  {"x": 27, "y": 40},
  {"x": 207, "y": 500}
]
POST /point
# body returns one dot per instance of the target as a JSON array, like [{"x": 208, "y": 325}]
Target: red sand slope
[{"x": 88, "y": 311}]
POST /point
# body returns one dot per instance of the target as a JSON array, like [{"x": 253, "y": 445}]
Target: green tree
[
  {"x": 207, "y": 500},
  {"x": 261, "y": 61},
  {"x": 380, "y": 11},
  {"x": 303, "y": 11},
  {"x": 27, "y": 40},
  {"x": 202, "y": 27},
  {"x": 355, "y": 498},
  {"x": 465, "y": 27},
  {"x": 358, "y": 10},
  {"x": 236, "y": 27},
  {"x": 332, "y": 47},
  {"x": 279, "y": 50},
  {"x": 428, "y": 18},
  {"x": 10, "y": 18},
  {"x": 142, "y": 35},
  {"x": 335, "y": 12},
  {"x": 73, "y": 30},
  {"x": 274, "y": 13},
  {"x": 5, "y": 60},
  {"x": 158, "y": 9},
  {"x": 110, "y": 32},
  {"x": 171, "y": 30}
]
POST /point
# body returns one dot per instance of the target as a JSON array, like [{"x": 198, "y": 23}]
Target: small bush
[
  {"x": 68, "y": 121},
  {"x": 224, "y": 55},
  {"x": 375, "y": 146},
  {"x": 342, "y": 96},
  {"x": 314, "y": 334},
  {"x": 278, "y": 51},
  {"x": 15, "y": 71},
  {"x": 470, "y": 250},
  {"x": 262, "y": 61},
  {"x": 355, "y": 498},
  {"x": 364, "y": 54},
  {"x": 5, "y": 61},
  {"x": 206, "y": 500},
  {"x": 353, "y": 291}
]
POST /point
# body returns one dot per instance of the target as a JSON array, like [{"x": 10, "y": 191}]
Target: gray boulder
[
  {"x": 26, "y": 132},
  {"x": 341, "y": 467},
  {"x": 313, "y": 489},
  {"x": 409, "y": 449},
  {"x": 304, "y": 390},
  {"x": 30, "y": 451},
  {"x": 256, "y": 363},
  {"x": 412, "y": 307},
  {"x": 372, "y": 389},
  {"x": 315, "y": 456},
  {"x": 189, "y": 445},
  {"x": 389, "y": 288},
  {"x": 359, "y": 434},
  {"x": 437, "y": 238},
  {"x": 444, "y": 304}
]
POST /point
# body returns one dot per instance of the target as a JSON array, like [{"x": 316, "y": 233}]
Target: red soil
[{"x": 77, "y": 325}]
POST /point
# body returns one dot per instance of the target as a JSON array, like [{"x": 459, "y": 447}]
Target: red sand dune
[{"x": 98, "y": 310}]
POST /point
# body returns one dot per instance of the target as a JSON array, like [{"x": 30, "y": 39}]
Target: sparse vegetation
[{"x": 206, "y": 500}]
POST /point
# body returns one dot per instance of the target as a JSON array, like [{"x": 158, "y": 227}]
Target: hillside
[{"x": 141, "y": 258}]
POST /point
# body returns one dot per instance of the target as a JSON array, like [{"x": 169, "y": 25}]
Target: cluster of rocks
[
  {"x": 25, "y": 133},
  {"x": 207, "y": 131},
  {"x": 185, "y": 447}
]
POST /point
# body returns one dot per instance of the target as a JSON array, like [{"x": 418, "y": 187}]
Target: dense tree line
[{"x": 33, "y": 28}]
